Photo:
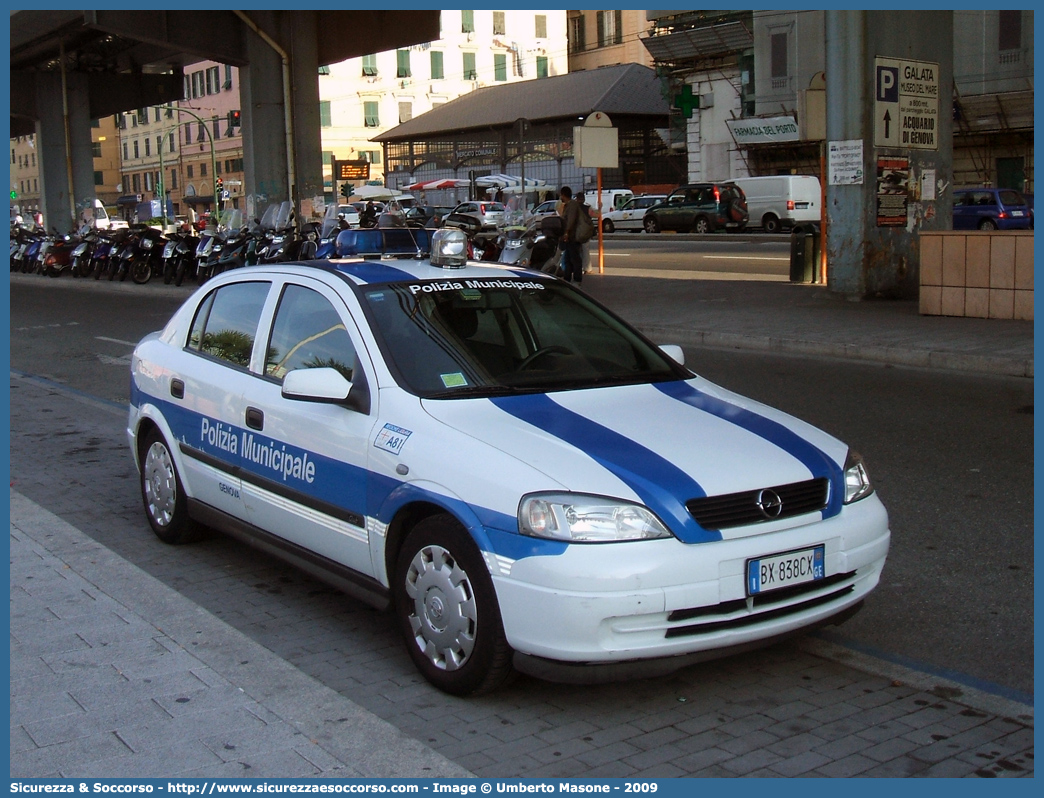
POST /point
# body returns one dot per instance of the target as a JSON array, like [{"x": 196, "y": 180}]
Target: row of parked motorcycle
[{"x": 144, "y": 253}]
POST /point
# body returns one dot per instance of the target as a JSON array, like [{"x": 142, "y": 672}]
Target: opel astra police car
[{"x": 525, "y": 479}]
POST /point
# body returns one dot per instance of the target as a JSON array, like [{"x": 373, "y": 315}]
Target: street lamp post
[
  {"x": 522, "y": 122},
  {"x": 213, "y": 156}
]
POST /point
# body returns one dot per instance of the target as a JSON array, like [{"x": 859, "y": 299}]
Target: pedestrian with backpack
[{"x": 578, "y": 230}]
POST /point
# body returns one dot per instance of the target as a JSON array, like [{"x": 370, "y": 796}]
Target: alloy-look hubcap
[
  {"x": 161, "y": 492},
  {"x": 444, "y": 617}
]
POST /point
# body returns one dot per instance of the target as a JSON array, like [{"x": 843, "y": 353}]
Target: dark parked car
[
  {"x": 991, "y": 209},
  {"x": 699, "y": 208}
]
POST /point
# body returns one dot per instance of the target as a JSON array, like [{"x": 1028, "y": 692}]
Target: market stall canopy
[
  {"x": 374, "y": 192},
  {"x": 509, "y": 183},
  {"x": 433, "y": 185}
]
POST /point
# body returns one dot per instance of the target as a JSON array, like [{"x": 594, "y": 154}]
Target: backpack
[{"x": 584, "y": 226}]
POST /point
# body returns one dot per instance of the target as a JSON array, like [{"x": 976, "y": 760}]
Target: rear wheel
[
  {"x": 608, "y": 226},
  {"x": 651, "y": 225},
  {"x": 987, "y": 224},
  {"x": 770, "y": 223},
  {"x": 447, "y": 609},
  {"x": 701, "y": 225},
  {"x": 163, "y": 494}
]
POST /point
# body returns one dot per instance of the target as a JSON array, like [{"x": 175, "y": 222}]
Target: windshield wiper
[{"x": 475, "y": 390}]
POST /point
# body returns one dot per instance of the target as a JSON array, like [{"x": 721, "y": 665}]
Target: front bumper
[{"x": 621, "y": 602}]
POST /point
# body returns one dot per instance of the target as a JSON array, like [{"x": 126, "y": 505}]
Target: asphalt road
[{"x": 950, "y": 454}]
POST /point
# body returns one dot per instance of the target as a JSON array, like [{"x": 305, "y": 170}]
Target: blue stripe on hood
[
  {"x": 814, "y": 459},
  {"x": 661, "y": 485},
  {"x": 374, "y": 271}
]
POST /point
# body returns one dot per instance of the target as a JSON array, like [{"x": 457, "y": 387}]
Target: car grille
[
  {"x": 741, "y": 509},
  {"x": 760, "y": 608}
]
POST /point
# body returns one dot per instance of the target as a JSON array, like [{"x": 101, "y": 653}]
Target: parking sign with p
[{"x": 887, "y": 84}]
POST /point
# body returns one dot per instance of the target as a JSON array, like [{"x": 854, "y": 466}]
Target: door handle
[
  {"x": 255, "y": 419},
  {"x": 177, "y": 388}
]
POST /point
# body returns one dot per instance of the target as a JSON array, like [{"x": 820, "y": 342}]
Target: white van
[
  {"x": 95, "y": 215},
  {"x": 781, "y": 201},
  {"x": 612, "y": 198}
]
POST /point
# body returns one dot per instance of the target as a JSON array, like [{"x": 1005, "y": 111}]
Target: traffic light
[
  {"x": 346, "y": 190},
  {"x": 219, "y": 185},
  {"x": 233, "y": 118}
]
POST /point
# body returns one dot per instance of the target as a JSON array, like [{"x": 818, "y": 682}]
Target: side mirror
[
  {"x": 673, "y": 351},
  {"x": 316, "y": 385}
]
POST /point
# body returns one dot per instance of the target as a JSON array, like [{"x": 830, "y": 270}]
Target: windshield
[{"x": 457, "y": 338}]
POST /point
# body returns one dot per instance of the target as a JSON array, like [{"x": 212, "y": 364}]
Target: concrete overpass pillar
[
  {"x": 60, "y": 208},
  {"x": 889, "y": 86},
  {"x": 266, "y": 169}
]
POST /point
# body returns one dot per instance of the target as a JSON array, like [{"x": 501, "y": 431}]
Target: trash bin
[{"x": 804, "y": 252}]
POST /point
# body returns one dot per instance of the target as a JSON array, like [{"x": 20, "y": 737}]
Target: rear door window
[{"x": 226, "y": 322}]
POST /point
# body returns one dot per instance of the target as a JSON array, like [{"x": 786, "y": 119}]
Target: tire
[
  {"x": 987, "y": 224},
  {"x": 650, "y": 224},
  {"x": 179, "y": 271},
  {"x": 163, "y": 495},
  {"x": 770, "y": 223},
  {"x": 113, "y": 270},
  {"x": 124, "y": 270},
  {"x": 447, "y": 609},
  {"x": 701, "y": 225},
  {"x": 608, "y": 226},
  {"x": 99, "y": 268},
  {"x": 168, "y": 272},
  {"x": 141, "y": 272}
]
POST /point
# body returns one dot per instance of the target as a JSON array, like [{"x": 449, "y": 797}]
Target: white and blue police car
[{"x": 525, "y": 479}]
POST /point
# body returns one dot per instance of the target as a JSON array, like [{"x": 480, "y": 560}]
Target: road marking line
[
  {"x": 746, "y": 257},
  {"x": 115, "y": 340}
]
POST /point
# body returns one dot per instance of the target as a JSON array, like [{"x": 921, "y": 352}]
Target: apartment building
[
  {"x": 363, "y": 97},
  {"x": 606, "y": 38}
]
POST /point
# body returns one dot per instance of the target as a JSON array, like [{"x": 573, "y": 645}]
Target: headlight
[
  {"x": 857, "y": 481},
  {"x": 577, "y": 518}
]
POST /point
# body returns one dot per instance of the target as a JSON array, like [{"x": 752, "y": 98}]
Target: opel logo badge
[{"x": 769, "y": 503}]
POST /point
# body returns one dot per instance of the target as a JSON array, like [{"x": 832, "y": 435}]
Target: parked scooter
[
  {"x": 80, "y": 262},
  {"x": 537, "y": 247},
  {"x": 58, "y": 256},
  {"x": 280, "y": 239}
]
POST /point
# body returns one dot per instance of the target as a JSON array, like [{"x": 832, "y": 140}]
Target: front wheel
[
  {"x": 141, "y": 272},
  {"x": 163, "y": 494},
  {"x": 651, "y": 225},
  {"x": 447, "y": 609}
]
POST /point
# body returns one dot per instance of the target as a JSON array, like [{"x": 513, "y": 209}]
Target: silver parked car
[{"x": 488, "y": 214}]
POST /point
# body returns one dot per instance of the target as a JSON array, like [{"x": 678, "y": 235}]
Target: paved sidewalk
[
  {"x": 113, "y": 674},
  {"x": 795, "y": 318}
]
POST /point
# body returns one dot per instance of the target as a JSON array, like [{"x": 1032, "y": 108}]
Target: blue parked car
[{"x": 991, "y": 209}]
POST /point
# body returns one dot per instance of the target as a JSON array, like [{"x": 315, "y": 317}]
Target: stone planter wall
[{"x": 986, "y": 275}]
